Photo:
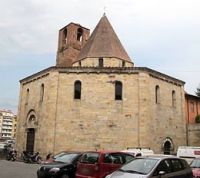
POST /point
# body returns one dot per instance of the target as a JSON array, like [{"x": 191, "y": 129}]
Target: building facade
[
  {"x": 95, "y": 98},
  {"x": 192, "y": 105},
  {"x": 8, "y": 122}
]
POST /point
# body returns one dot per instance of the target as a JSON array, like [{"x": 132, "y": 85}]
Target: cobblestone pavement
[{"x": 9, "y": 169}]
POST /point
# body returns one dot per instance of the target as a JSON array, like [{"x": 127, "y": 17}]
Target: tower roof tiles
[{"x": 103, "y": 42}]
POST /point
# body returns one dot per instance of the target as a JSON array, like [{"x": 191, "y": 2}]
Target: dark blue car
[{"x": 63, "y": 166}]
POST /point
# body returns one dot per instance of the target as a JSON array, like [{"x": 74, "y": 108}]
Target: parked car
[
  {"x": 63, "y": 166},
  {"x": 101, "y": 163},
  {"x": 154, "y": 167},
  {"x": 139, "y": 151},
  {"x": 195, "y": 165},
  {"x": 188, "y": 153}
]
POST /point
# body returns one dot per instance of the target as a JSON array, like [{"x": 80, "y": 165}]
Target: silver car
[{"x": 154, "y": 167}]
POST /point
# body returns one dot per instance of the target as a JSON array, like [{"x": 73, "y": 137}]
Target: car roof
[
  {"x": 105, "y": 151},
  {"x": 69, "y": 152},
  {"x": 159, "y": 156}
]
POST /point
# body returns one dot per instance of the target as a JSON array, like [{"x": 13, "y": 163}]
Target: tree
[
  {"x": 198, "y": 91},
  {"x": 197, "y": 119}
]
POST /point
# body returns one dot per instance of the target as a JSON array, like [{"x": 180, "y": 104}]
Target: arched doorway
[
  {"x": 168, "y": 146},
  {"x": 30, "y": 130},
  {"x": 30, "y": 140}
]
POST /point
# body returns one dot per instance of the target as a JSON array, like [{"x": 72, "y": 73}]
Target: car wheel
[{"x": 64, "y": 176}]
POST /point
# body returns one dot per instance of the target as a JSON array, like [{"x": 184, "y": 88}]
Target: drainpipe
[
  {"x": 138, "y": 121},
  {"x": 55, "y": 121},
  {"x": 187, "y": 121},
  {"x": 197, "y": 107}
]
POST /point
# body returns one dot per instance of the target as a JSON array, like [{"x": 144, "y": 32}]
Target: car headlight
[{"x": 54, "y": 169}]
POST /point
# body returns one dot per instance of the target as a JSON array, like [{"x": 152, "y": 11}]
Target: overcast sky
[{"x": 160, "y": 34}]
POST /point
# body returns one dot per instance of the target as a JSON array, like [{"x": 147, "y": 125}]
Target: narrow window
[
  {"x": 123, "y": 63},
  {"x": 157, "y": 94},
  {"x": 77, "y": 90},
  {"x": 173, "y": 98},
  {"x": 192, "y": 106},
  {"x": 27, "y": 96},
  {"x": 42, "y": 93},
  {"x": 100, "y": 62},
  {"x": 79, "y": 63},
  {"x": 79, "y": 34},
  {"x": 118, "y": 90},
  {"x": 65, "y": 35}
]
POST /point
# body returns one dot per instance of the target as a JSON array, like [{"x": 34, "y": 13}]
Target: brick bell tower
[{"x": 71, "y": 40}]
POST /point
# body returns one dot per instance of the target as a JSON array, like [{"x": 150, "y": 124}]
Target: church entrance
[
  {"x": 30, "y": 140},
  {"x": 168, "y": 146}
]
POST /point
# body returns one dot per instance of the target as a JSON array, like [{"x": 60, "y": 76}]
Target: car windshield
[
  {"x": 66, "y": 158},
  {"x": 195, "y": 163},
  {"x": 140, "y": 166},
  {"x": 59, "y": 154}
]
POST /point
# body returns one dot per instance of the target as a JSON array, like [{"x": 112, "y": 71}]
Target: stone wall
[
  {"x": 108, "y": 62},
  {"x": 98, "y": 121},
  {"x": 194, "y": 134},
  {"x": 134, "y": 121},
  {"x": 45, "y": 112}
]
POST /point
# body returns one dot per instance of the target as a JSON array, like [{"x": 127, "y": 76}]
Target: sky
[{"x": 163, "y": 35}]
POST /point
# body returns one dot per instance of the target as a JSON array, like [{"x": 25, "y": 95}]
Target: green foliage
[
  {"x": 197, "y": 119},
  {"x": 198, "y": 91}
]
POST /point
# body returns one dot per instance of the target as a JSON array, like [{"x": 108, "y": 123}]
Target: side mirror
[{"x": 161, "y": 173}]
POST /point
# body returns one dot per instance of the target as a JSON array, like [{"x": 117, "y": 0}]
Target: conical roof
[{"x": 103, "y": 42}]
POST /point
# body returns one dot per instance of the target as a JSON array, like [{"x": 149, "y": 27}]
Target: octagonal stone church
[{"x": 95, "y": 98}]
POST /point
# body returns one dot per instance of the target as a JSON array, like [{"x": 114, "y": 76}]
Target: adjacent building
[
  {"x": 192, "y": 105},
  {"x": 96, "y": 98},
  {"x": 8, "y": 122}
]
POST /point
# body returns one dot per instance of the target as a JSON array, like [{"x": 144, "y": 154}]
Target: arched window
[
  {"x": 173, "y": 98},
  {"x": 118, "y": 90},
  {"x": 42, "y": 93},
  {"x": 79, "y": 34},
  {"x": 27, "y": 96},
  {"x": 157, "y": 94},
  {"x": 100, "y": 62},
  {"x": 77, "y": 90},
  {"x": 65, "y": 35}
]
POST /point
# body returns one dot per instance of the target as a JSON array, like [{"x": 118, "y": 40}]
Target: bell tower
[{"x": 71, "y": 40}]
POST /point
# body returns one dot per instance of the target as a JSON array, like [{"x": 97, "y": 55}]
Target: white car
[
  {"x": 2, "y": 146},
  {"x": 139, "y": 151},
  {"x": 154, "y": 167}
]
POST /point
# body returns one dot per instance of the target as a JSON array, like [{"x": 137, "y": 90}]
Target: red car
[
  {"x": 195, "y": 165},
  {"x": 98, "y": 164}
]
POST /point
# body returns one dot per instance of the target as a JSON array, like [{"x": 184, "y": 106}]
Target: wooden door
[{"x": 30, "y": 140}]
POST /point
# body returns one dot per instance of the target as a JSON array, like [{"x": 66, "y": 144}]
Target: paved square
[{"x": 9, "y": 169}]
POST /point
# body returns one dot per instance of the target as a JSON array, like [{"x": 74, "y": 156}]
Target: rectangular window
[
  {"x": 100, "y": 62},
  {"x": 118, "y": 90},
  {"x": 192, "y": 106},
  {"x": 123, "y": 64}
]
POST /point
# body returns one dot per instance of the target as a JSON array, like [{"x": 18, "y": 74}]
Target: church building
[{"x": 95, "y": 98}]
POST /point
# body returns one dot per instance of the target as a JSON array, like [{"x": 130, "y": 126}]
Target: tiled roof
[{"x": 103, "y": 42}]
